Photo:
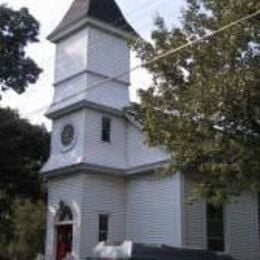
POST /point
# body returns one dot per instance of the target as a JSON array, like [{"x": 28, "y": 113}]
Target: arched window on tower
[{"x": 64, "y": 213}]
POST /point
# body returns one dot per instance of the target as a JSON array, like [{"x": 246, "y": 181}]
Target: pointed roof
[{"x": 106, "y": 11}]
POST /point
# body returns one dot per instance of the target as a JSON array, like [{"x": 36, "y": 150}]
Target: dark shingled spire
[{"x": 106, "y": 11}]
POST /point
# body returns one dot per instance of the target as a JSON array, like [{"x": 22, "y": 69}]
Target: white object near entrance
[{"x": 108, "y": 250}]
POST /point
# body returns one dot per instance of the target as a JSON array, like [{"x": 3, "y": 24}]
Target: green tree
[
  {"x": 23, "y": 150},
  {"x": 28, "y": 224},
  {"x": 17, "y": 30},
  {"x": 23, "y": 147},
  {"x": 204, "y": 102}
]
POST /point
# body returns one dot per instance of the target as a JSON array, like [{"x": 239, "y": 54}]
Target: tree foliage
[
  {"x": 23, "y": 150},
  {"x": 23, "y": 147},
  {"x": 28, "y": 225},
  {"x": 17, "y": 30},
  {"x": 204, "y": 103}
]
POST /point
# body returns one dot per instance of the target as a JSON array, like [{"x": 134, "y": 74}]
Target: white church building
[{"x": 101, "y": 175}]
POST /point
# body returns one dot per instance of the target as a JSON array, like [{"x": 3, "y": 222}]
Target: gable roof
[{"x": 106, "y": 11}]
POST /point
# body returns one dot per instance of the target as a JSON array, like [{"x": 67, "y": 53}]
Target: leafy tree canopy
[
  {"x": 28, "y": 225},
  {"x": 23, "y": 147},
  {"x": 23, "y": 150},
  {"x": 204, "y": 103},
  {"x": 17, "y": 29}
]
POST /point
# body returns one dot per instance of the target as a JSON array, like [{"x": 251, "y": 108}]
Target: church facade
[{"x": 101, "y": 175}]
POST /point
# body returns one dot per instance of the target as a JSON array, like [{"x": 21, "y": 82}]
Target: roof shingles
[{"x": 106, "y": 11}]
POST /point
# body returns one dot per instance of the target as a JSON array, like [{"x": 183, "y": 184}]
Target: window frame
[
  {"x": 214, "y": 221},
  {"x": 103, "y": 231},
  {"x": 106, "y": 124}
]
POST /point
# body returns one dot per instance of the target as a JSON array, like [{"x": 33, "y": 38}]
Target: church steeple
[
  {"x": 91, "y": 47},
  {"x": 89, "y": 11}
]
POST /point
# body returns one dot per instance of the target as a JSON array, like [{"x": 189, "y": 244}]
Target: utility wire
[
  {"x": 98, "y": 42},
  {"x": 164, "y": 55},
  {"x": 139, "y": 10},
  {"x": 95, "y": 44},
  {"x": 153, "y": 60}
]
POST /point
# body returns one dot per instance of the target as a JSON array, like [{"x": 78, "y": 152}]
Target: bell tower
[
  {"x": 89, "y": 130},
  {"x": 91, "y": 47}
]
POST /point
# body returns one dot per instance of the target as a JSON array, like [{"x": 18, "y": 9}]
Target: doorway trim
[{"x": 64, "y": 217}]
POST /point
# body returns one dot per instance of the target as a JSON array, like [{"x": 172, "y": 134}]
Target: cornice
[
  {"x": 87, "y": 71},
  {"x": 57, "y": 37},
  {"x": 59, "y": 112},
  {"x": 87, "y": 168}
]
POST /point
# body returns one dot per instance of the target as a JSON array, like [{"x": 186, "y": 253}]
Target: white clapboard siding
[
  {"x": 113, "y": 94},
  {"x": 59, "y": 157},
  {"x": 92, "y": 49},
  {"x": 194, "y": 219},
  {"x": 107, "y": 54},
  {"x": 71, "y": 55},
  {"x": 112, "y": 154},
  {"x": 241, "y": 225},
  {"x": 126, "y": 150},
  {"x": 102, "y": 195},
  {"x": 70, "y": 190},
  {"x": 242, "y": 228},
  {"x": 152, "y": 213},
  {"x": 70, "y": 91},
  {"x": 138, "y": 151},
  {"x": 87, "y": 58}
]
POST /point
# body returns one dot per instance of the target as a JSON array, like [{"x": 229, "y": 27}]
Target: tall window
[
  {"x": 106, "y": 129},
  {"x": 215, "y": 228},
  {"x": 103, "y": 227}
]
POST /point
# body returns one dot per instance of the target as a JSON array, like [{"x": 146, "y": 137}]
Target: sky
[{"x": 38, "y": 97}]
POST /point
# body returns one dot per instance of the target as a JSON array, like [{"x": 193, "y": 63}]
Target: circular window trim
[
  {"x": 58, "y": 138},
  {"x": 67, "y": 135}
]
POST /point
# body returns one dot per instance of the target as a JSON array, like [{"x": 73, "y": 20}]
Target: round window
[{"x": 67, "y": 135}]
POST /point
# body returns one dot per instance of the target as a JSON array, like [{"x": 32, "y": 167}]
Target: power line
[
  {"x": 98, "y": 42},
  {"x": 153, "y": 60},
  {"x": 122, "y": 27},
  {"x": 164, "y": 55},
  {"x": 232, "y": 24}
]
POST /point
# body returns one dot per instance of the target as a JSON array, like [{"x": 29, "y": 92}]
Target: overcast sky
[{"x": 38, "y": 97}]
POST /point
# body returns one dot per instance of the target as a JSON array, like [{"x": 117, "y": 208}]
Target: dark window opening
[
  {"x": 215, "y": 228},
  {"x": 64, "y": 213},
  {"x": 103, "y": 227},
  {"x": 106, "y": 129}
]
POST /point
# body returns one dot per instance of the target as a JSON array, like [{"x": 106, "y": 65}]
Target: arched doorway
[{"x": 64, "y": 231}]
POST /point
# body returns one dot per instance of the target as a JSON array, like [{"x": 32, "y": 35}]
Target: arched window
[
  {"x": 64, "y": 231},
  {"x": 64, "y": 213}
]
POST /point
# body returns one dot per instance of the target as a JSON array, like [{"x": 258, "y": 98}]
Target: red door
[{"x": 64, "y": 241}]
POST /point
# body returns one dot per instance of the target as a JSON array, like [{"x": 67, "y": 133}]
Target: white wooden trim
[{"x": 93, "y": 22}]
